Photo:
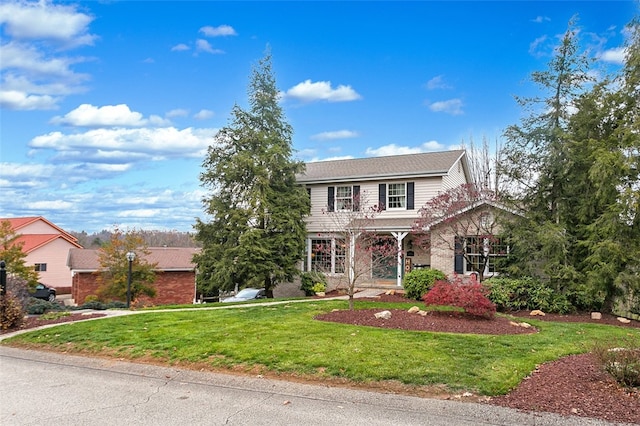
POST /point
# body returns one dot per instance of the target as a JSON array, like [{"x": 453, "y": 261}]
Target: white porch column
[
  {"x": 352, "y": 255},
  {"x": 399, "y": 237}
]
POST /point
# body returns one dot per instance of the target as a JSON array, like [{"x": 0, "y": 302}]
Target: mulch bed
[
  {"x": 570, "y": 386},
  {"x": 448, "y": 322}
]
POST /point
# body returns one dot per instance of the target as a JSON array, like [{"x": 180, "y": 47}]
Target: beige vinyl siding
[
  {"x": 455, "y": 177},
  {"x": 426, "y": 189},
  {"x": 319, "y": 221}
]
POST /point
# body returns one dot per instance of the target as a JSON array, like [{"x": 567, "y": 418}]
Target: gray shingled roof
[
  {"x": 400, "y": 166},
  {"x": 167, "y": 258}
]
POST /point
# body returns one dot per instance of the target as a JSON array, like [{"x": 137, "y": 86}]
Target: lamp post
[{"x": 130, "y": 256}]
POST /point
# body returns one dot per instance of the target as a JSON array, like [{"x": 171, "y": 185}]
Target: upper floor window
[
  {"x": 344, "y": 197},
  {"x": 41, "y": 267},
  {"x": 396, "y": 196}
]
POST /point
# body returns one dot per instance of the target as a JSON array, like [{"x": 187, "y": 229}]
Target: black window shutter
[
  {"x": 382, "y": 196},
  {"x": 331, "y": 199},
  {"x": 410, "y": 195},
  {"x": 458, "y": 262},
  {"x": 356, "y": 198}
]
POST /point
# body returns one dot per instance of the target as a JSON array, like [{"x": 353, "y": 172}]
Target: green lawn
[{"x": 285, "y": 338}]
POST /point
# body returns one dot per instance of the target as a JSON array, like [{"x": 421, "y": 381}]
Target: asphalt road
[{"x": 39, "y": 388}]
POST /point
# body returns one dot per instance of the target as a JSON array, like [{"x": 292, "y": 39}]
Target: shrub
[
  {"x": 417, "y": 282},
  {"x": 515, "y": 294},
  {"x": 309, "y": 279},
  {"x": 91, "y": 298},
  {"x": 94, "y": 304},
  {"x": 11, "y": 313},
  {"x": 470, "y": 297},
  {"x": 39, "y": 307},
  {"x": 54, "y": 315},
  {"x": 621, "y": 360},
  {"x": 100, "y": 306},
  {"x": 319, "y": 287}
]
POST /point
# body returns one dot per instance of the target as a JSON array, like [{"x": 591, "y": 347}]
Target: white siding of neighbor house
[
  {"x": 54, "y": 254},
  {"x": 455, "y": 177}
]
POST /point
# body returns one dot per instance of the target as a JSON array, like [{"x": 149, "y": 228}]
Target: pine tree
[
  {"x": 535, "y": 157},
  {"x": 607, "y": 140},
  {"x": 257, "y": 232}
]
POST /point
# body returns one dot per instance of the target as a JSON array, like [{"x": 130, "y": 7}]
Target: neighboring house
[
  {"x": 175, "y": 274},
  {"x": 46, "y": 247},
  {"x": 398, "y": 186}
]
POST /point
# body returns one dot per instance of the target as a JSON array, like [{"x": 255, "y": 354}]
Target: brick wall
[{"x": 171, "y": 288}]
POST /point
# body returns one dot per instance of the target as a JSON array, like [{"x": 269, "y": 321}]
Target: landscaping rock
[
  {"x": 624, "y": 320},
  {"x": 383, "y": 315},
  {"x": 537, "y": 313},
  {"x": 596, "y": 315},
  {"x": 413, "y": 310}
]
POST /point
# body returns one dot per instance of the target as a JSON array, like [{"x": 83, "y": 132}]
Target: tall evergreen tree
[
  {"x": 257, "y": 232},
  {"x": 582, "y": 230},
  {"x": 606, "y": 131},
  {"x": 535, "y": 157}
]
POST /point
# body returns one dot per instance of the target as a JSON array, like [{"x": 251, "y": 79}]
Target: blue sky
[{"x": 107, "y": 108}]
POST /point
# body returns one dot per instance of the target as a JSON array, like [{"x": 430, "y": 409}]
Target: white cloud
[
  {"x": 535, "y": 46},
  {"x": 44, "y": 20},
  {"x": 123, "y": 146},
  {"x": 33, "y": 69},
  {"x": 51, "y": 205},
  {"x": 339, "y": 134},
  {"x": 180, "y": 47},
  {"x": 616, "y": 55},
  {"x": 222, "y": 30},
  {"x": 344, "y": 157},
  {"x": 393, "y": 149},
  {"x": 451, "y": 106},
  {"x": 203, "y": 114},
  {"x": 541, "y": 19},
  {"x": 15, "y": 100},
  {"x": 322, "y": 91},
  {"x": 204, "y": 46},
  {"x": 99, "y": 206},
  {"x": 437, "y": 83},
  {"x": 87, "y": 115},
  {"x": 178, "y": 112}
]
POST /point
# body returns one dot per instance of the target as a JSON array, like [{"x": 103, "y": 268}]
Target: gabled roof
[
  {"x": 35, "y": 241},
  {"x": 31, "y": 242},
  {"x": 18, "y": 223},
  {"x": 166, "y": 258},
  {"x": 378, "y": 168},
  {"x": 470, "y": 207}
]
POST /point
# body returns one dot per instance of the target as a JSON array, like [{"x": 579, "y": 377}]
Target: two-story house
[
  {"x": 395, "y": 188},
  {"x": 46, "y": 247}
]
